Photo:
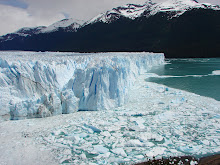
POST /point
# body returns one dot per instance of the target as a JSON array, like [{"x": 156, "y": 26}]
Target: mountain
[
  {"x": 132, "y": 11},
  {"x": 179, "y": 28},
  {"x": 67, "y": 25},
  {"x": 23, "y": 32}
]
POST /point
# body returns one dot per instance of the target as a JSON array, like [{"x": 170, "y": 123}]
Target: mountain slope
[
  {"x": 67, "y": 25},
  {"x": 178, "y": 28},
  {"x": 70, "y": 25},
  {"x": 23, "y": 32},
  {"x": 132, "y": 11}
]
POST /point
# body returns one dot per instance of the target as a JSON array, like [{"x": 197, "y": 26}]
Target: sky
[{"x": 15, "y": 14}]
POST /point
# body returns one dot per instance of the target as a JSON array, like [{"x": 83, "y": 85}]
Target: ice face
[{"x": 45, "y": 84}]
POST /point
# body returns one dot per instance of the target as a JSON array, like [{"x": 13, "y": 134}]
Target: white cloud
[
  {"x": 13, "y": 18},
  {"x": 46, "y": 12}
]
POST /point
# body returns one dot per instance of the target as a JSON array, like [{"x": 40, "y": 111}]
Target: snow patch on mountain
[
  {"x": 148, "y": 9},
  {"x": 23, "y": 32},
  {"x": 180, "y": 6},
  {"x": 46, "y": 84},
  {"x": 68, "y": 24},
  {"x": 130, "y": 11},
  {"x": 30, "y": 30}
]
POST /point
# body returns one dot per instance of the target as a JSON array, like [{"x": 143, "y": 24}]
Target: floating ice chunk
[
  {"x": 206, "y": 142},
  {"x": 94, "y": 129},
  {"x": 128, "y": 134},
  {"x": 216, "y": 72},
  {"x": 189, "y": 106},
  {"x": 59, "y": 132},
  {"x": 64, "y": 158},
  {"x": 190, "y": 149},
  {"x": 136, "y": 126},
  {"x": 83, "y": 156},
  {"x": 119, "y": 151},
  {"x": 74, "y": 138},
  {"x": 59, "y": 145},
  {"x": 161, "y": 89},
  {"x": 99, "y": 149},
  {"x": 150, "y": 136},
  {"x": 168, "y": 115},
  {"x": 193, "y": 162},
  {"x": 138, "y": 122},
  {"x": 106, "y": 155},
  {"x": 115, "y": 161},
  {"x": 67, "y": 152},
  {"x": 134, "y": 143},
  {"x": 177, "y": 101},
  {"x": 216, "y": 150},
  {"x": 83, "y": 135},
  {"x": 105, "y": 133},
  {"x": 149, "y": 144},
  {"x": 156, "y": 151},
  {"x": 139, "y": 156},
  {"x": 217, "y": 116}
]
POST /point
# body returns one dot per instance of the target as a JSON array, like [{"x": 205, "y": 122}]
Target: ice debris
[{"x": 192, "y": 128}]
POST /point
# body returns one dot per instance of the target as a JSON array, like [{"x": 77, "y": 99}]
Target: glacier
[
  {"x": 133, "y": 120},
  {"x": 43, "y": 84}
]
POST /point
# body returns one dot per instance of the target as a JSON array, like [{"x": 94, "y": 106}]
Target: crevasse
[{"x": 42, "y": 84}]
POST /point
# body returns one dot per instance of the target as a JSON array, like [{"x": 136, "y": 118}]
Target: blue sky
[
  {"x": 15, "y": 3},
  {"x": 15, "y": 14}
]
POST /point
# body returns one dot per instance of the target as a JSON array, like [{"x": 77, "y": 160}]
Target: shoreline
[{"x": 186, "y": 160}]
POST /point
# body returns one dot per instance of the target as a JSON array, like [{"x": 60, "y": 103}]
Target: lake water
[{"x": 200, "y": 76}]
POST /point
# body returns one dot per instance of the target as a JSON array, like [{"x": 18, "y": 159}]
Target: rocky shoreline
[{"x": 186, "y": 160}]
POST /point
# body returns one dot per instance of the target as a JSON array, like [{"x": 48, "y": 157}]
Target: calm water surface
[{"x": 200, "y": 76}]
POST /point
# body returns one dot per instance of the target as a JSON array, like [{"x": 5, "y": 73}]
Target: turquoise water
[{"x": 193, "y": 75}]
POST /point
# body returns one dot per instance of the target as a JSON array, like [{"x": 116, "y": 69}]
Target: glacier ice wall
[{"x": 42, "y": 84}]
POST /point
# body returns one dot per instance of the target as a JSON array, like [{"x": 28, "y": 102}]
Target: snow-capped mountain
[
  {"x": 70, "y": 25},
  {"x": 29, "y": 31},
  {"x": 23, "y": 32},
  {"x": 133, "y": 11},
  {"x": 67, "y": 25},
  {"x": 179, "y": 28}
]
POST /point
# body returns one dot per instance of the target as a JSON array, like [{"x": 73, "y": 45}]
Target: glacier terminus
[{"x": 42, "y": 84}]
